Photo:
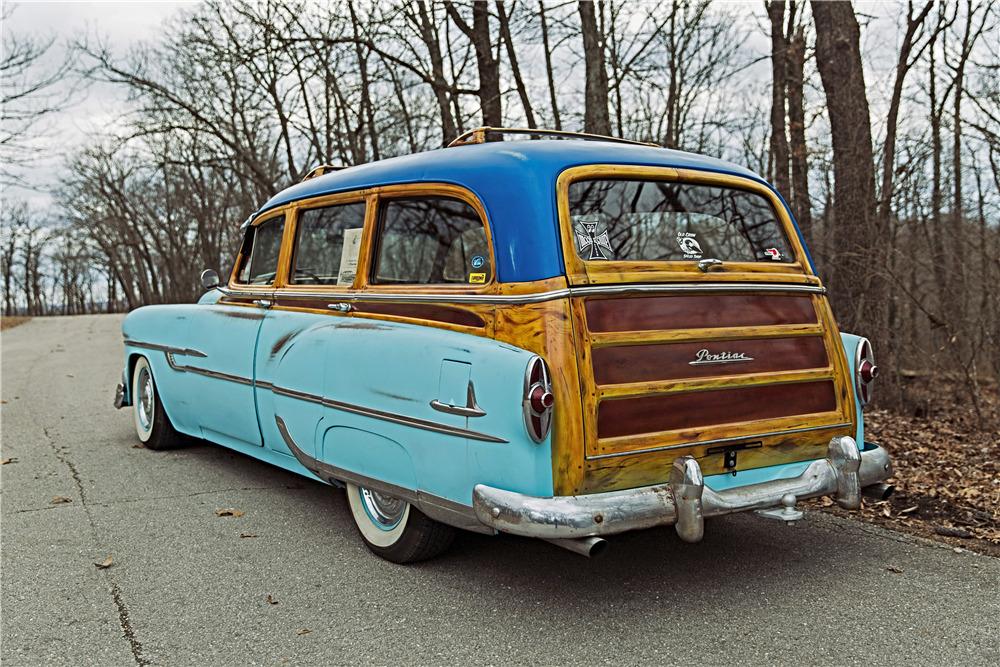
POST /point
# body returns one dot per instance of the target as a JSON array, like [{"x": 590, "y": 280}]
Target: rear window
[{"x": 645, "y": 220}]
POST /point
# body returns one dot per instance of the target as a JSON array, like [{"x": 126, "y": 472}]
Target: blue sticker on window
[{"x": 478, "y": 261}]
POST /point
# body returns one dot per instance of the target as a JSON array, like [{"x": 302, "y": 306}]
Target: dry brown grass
[{"x": 11, "y": 322}]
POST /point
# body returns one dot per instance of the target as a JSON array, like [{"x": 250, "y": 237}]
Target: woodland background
[{"x": 889, "y": 153}]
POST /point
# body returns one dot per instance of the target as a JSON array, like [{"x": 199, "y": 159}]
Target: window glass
[
  {"x": 431, "y": 240},
  {"x": 260, "y": 252},
  {"x": 328, "y": 243},
  {"x": 667, "y": 221}
]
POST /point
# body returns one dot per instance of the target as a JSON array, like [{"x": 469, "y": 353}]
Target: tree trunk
[
  {"x": 801, "y": 203},
  {"x": 859, "y": 292},
  {"x": 515, "y": 69},
  {"x": 488, "y": 66},
  {"x": 779, "y": 56},
  {"x": 595, "y": 114},
  {"x": 549, "y": 72}
]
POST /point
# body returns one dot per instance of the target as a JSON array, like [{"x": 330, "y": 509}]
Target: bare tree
[{"x": 595, "y": 112}]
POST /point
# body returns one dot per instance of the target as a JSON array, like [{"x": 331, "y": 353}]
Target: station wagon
[{"x": 541, "y": 333}]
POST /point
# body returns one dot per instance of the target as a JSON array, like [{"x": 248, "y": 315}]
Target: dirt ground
[{"x": 947, "y": 474}]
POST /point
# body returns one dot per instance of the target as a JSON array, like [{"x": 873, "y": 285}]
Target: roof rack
[
  {"x": 479, "y": 136},
  {"x": 320, "y": 170}
]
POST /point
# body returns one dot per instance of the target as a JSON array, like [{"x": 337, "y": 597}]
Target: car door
[
  {"x": 297, "y": 338},
  {"x": 222, "y": 377}
]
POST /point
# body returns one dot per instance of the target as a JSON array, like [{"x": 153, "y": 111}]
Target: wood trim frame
[
  {"x": 468, "y": 318},
  {"x": 581, "y": 272}
]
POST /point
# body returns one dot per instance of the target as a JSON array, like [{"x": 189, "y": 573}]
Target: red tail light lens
[
  {"x": 538, "y": 400},
  {"x": 865, "y": 371}
]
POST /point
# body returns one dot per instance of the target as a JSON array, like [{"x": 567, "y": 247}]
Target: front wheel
[
  {"x": 394, "y": 529},
  {"x": 151, "y": 422}
]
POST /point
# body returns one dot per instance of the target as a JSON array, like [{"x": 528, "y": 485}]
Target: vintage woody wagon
[{"x": 557, "y": 339}]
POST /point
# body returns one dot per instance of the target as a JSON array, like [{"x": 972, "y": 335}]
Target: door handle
[
  {"x": 263, "y": 303},
  {"x": 707, "y": 265},
  {"x": 341, "y": 307},
  {"x": 470, "y": 409}
]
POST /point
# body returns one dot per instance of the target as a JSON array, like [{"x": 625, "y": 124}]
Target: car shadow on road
[{"x": 739, "y": 553}]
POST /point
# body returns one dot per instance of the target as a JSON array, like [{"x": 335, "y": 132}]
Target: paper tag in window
[
  {"x": 349, "y": 256},
  {"x": 477, "y": 278}
]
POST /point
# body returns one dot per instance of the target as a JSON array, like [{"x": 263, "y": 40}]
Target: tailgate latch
[{"x": 730, "y": 452}]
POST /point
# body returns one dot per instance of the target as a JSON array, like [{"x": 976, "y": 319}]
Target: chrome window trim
[
  {"x": 685, "y": 445},
  {"x": 406, "y": 297}
]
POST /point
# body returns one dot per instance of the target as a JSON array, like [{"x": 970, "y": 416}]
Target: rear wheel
[
  {"x": 151, "y": 422},
  {"x": 394, "y": 529}
]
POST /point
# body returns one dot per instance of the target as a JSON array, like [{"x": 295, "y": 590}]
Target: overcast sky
[
  {"x": 125, "y": 24},
  {"x": 121, "y": 24}
]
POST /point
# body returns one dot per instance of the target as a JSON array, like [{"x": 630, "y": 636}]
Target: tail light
[
  {"x": 865, "y": 371},
  {"x": 538, "y": 399}
]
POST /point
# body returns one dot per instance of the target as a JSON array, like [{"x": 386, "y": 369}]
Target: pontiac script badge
[{"x": 705, "y": 357}]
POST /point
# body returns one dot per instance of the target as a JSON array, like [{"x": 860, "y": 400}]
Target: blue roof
[{"x": 515, "y": 181}]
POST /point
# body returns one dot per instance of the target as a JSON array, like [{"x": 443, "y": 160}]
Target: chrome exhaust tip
[
  {"x": 590, "y": 547},
  {"x": 880, "y": 491}
]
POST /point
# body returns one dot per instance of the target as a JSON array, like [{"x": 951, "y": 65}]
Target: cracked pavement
[{"x": 187, "y": 587}]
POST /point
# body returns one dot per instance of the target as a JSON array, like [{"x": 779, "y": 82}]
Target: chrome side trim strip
[
  {"x": 402, "y": 297},
  {"x": 218, "y": 375},
  {"x": 685, "y": 445},
  {"x": 440, "y": 509},
  {"x": 186, "y": 351},
  {"x": 424, "y": 424}
]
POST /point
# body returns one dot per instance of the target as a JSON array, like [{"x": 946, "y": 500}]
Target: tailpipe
[
  {"x": 880, "y": 491},
  {"x": 585, "y": 546}
]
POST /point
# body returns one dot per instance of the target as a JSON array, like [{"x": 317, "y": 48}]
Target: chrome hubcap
[
  {"x": 385, "y": 511},
  {"x": 144, "y": 406}
]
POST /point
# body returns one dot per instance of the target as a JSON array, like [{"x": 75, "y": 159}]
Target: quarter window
[
  {"x": 431, "y": 240},
  {"x": 328, "y": 243},
  {"x": 261, "y": 247}
]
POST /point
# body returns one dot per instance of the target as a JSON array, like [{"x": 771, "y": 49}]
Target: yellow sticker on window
[{"x": 477, "y": 278}]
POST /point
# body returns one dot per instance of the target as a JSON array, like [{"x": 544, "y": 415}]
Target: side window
[
  {"x": 259, "y": 260},
  {"x": 327, "y": 245},
  {"x": 431, "y": 240}
]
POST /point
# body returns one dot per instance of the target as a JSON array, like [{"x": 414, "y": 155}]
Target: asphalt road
[{"x": 186, "y": 589}]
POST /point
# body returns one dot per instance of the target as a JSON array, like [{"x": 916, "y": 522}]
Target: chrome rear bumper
[{"x": 683, "y": 502}]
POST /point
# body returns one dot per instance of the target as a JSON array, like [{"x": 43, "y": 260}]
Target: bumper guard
[{"x": 684, "y": 501}]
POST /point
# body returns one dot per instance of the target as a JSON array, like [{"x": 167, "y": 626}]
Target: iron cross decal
[{"x": 588, "y": 238}]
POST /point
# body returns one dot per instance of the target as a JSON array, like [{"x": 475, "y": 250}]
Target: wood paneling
[
  {"x": 647, "y": 363},
  {"x": 650, "y": 414},
  {"x": 422, "y": 311},
  {"x": 697, "y": 311}
]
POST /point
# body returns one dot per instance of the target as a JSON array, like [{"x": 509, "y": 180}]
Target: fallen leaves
[
  {"x": 270, "y": 599},
  {"x": 947, "y": 472},
  {"x": 893, "y": 569},
  {"x": 12, "y": 459},
  {"x": 59, "y": 500},
  {"x": 303, "y": 631},
  {"x": 244, "y": 536},
  {"x": 104, "y": 564},
  {"x": 228, "y": 511}
]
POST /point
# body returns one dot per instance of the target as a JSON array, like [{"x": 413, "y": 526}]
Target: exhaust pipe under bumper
[
  {"x": 880, "y": 491},
  {"x": 585, "y": 546}
]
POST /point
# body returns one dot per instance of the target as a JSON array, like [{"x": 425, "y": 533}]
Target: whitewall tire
[
  {"x": 394, "y": 529},
  {"x": 152, "y": 426}
]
